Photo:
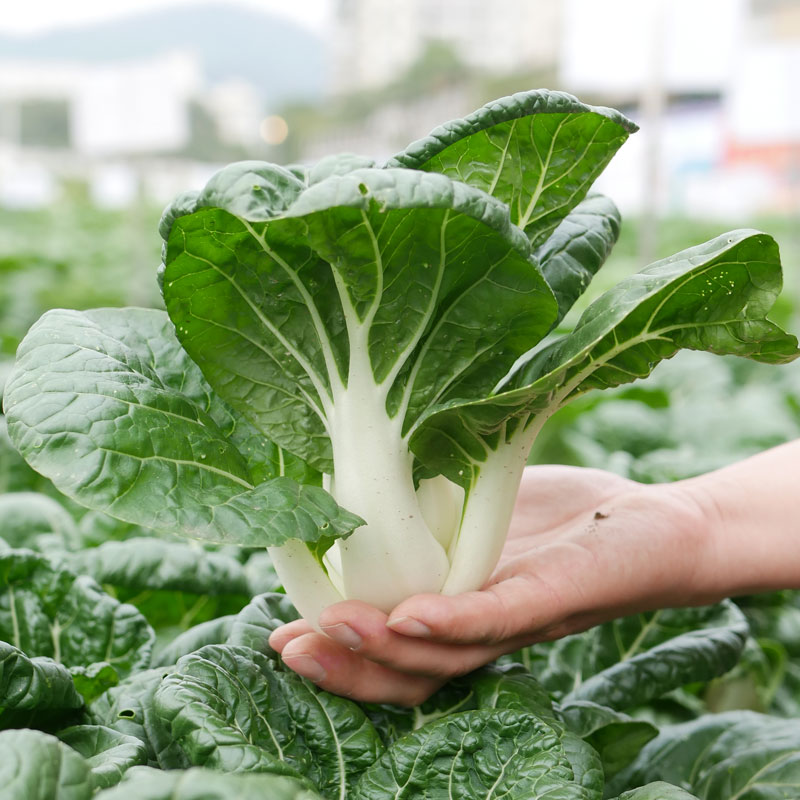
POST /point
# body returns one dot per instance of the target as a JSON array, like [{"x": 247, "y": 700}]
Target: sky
[{"x": 38, "y": 16}]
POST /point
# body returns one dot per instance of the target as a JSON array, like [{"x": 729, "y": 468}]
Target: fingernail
[
  {"x": 344, "y": 634},
  {"x": 409, "y": 626},
  {"x": 306, "y": 666}
]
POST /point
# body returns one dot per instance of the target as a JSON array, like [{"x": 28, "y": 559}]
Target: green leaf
[
  {"x": 152, "y": 564},
  {"x": 252, "y": 189},
  {"x": 711, "y": 297},
  {"x": 107, "y": 405},
  {"x": 714, "y": 296},
  {"x": 393, "y": 722},
  {"x": 578, "y": 247},
  {"x": 24, "y": 516},
  {"x": 15, "y": 474},
  {"x": 171, "y": 613},
  {"x": 93, "y": 680},
  {"x": 657, "y": 791},
  {"x": 538, "y": 152},
  {"x": 739, "y": 754},
  {"x": 774, "y": 666},
  {"x": 230, "y": 708},
  {"x": 212, "y": 631},
  {"x": 49, "y": 611},
  {"x": 660, "y": 651},
  {"x": 37, "y": 766},
  {"x": 108, "y": 753},
  {"x": 261, "y": 575},
  {"x": 33, "y": 688},
  {"x": 145, "y": 783},
  {"x": 338, "y": 164},
  {"x": 252, "y": 626},
  {"x": 489, "y": 754},
  {"x": 631, "y": 660},
  {"x": 128, "y": 708},
  {"x": 511, "y": 687},
  {"x": 432, "y": 268},
  {"x": 617, "y": 737}
]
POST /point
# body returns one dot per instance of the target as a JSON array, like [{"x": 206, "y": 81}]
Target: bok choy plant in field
[
  {"x": 380, "y": 331},
  {"x": 354, "y": 362}
]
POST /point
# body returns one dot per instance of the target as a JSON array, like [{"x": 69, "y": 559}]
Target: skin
[{"x": 584, "y": 547}]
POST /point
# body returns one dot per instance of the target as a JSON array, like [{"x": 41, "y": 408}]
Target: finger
[
  {"x": 513, "y": 609},
  {"x": 280, "y": 637},
  {"x": 362, "y": 629},
  {"x": 337, "y": 669}
]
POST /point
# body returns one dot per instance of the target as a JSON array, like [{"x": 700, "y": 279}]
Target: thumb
[{"x": 520, "y": 605}]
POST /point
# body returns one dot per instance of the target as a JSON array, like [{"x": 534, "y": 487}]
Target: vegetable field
[{"x": 331, "y": 392}]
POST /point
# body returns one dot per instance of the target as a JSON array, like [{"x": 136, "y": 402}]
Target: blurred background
[{"x": 107, "y": 110}]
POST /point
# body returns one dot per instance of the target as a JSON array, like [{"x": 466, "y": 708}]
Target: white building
[
  {"x": 111, "y": 109},
  {"x": 117, "y": 124}
]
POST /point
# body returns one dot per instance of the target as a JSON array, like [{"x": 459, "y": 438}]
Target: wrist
[
  {"x": 750, "y": 528},
  {"x": 712, "y": 579},
  {"x": 691, "y": 523}
]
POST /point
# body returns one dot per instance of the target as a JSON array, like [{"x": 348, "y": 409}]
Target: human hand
[{"x": 584, "y": 546}]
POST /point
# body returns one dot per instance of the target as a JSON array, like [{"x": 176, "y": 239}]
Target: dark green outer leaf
[
  {"x": 128, "y": 708},
  {"x": 578, "y": 247},
  {"x": 26, "y": 515},
  {"x": 676, "y": 754},
  {"x": 711, "y": 297},
  {"x": 648, "y": 654},
  {"x": 657, "y": 791},
  {"x": 91, "y": 681},
  {"x": 511, "y": 687},
  {"x": 92, "y": 404},
  {"x": 755, "y": 759},
  {"x": 145, "y": 783},
  {"x": 15, "y": 474},
  {"x": 689, "y": 655},
  {"x": 393, "y": 722},
  {"x": 617, "y": 737},
  {"x": 253, "y": 625},
  {"x": 149, "y": 563},
  {"x": 108, "y": 753},
  {"x": 34, "y": 684},
  {"x": 49, "y": 611},
  {"x": 739, "y": 754},
  {"x": 36, "y": 766},
  {"x": 261, "y": 575},
  {"x": 538, "y": 152},
  {"x": 488, "y": 754},
  {"x": 212, "y": 631},
  {"x": 228, "y": 707}
]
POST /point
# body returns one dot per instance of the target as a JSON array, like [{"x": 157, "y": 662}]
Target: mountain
[{"x": 281, "y": 58}]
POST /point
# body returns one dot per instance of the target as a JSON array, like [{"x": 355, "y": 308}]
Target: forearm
[{"x": 752, "y": 537}]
